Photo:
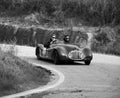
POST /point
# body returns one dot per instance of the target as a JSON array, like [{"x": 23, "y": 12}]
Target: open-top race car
[{"x": 64, "y": 52}]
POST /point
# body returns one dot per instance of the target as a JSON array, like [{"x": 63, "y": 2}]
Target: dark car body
[{"x": 64, "y": 52}]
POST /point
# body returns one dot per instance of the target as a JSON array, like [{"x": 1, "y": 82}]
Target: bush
[
  {"x": 93, "y": 12},
  {"x": 107, "y": 41},
  {"x": 9, "y": 47},
  {"x": 6, "y": 33}
]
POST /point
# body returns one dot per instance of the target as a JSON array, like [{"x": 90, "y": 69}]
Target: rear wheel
[
  {"x": 38, "y": 53},
  {"x": 56, "y": 57},
  {"x": 87, "y": 62}
]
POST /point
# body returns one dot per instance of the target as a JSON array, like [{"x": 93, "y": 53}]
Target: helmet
[{"x": 53, "y": 36}]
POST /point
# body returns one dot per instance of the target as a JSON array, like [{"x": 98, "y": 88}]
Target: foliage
[
  {"x": 107, "y": 41},
  {"x": 93, "y": 12},
  {"x": 9, "y": 47}
]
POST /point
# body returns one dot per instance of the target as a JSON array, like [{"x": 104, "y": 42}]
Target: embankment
[{"x": 32, "y": 35}]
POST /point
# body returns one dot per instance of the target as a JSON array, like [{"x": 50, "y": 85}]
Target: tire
[
  {"x": 56, "y": 58},
  {"x": 87, "y": 62},
  {"x": 38, "y": 53}
]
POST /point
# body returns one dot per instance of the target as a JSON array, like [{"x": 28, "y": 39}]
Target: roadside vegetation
[
  {"x": 87, "y": 12},
  {"x": 107, "y": 40},
  {"x": 17, "y": 75}
]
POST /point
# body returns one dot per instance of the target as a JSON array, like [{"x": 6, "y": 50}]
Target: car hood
[{"x": 68, "y": 47}]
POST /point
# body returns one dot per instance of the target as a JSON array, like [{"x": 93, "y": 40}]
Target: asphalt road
[{"x": 101, "y": 79}]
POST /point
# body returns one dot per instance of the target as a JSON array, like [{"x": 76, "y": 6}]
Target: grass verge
[{"x": 17, "y": 75}]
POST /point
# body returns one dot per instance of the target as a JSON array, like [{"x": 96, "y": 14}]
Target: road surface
[{"x": 99, "y": 80}]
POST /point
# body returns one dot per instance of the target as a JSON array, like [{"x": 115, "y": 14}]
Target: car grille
[{"x": 75, "y": 55}]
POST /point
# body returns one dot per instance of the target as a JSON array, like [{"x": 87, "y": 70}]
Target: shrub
[
  {"x": 106, "y": 41},
  {"x": 9, "y": 47},
  {"x": 93, "y": 12}
]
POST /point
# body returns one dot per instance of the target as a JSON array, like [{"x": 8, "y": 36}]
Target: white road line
[{"x": 39, "y": 89}]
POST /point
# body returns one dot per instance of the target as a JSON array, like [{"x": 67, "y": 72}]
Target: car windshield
[
  {"x": 78, "y": 44},
  {"x": 81, "y": 43}
]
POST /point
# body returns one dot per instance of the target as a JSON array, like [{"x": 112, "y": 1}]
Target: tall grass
[
  {"x": 17, "y": 75},
  {"x": 95, "y": 12},
  {"x": 9, "y": 47}
]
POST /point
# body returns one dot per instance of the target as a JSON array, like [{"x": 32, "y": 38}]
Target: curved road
[{"x": 99, "y": 80}]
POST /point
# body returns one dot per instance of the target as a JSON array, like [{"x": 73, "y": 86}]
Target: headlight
[
  {"x": 82, "y": 56},
  {"x": 70, "y": 55}
]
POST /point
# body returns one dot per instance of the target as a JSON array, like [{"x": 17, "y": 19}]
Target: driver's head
[
  {"x": 53, "y": 37},
  {"x": 66, "y": 38}
]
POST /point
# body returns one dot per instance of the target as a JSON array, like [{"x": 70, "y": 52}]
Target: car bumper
[
  {"x": 88, "y": 58},
  {"x": 66, "y": 58}
]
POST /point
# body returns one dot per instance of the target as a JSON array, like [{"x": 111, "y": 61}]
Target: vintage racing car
[{"x": 64, "y": 52}]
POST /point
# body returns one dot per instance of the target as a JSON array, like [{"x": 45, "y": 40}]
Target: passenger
[{"x": 66, "y": 39}]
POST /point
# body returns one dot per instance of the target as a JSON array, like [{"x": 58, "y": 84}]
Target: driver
[{"x": 51, "y": 41}]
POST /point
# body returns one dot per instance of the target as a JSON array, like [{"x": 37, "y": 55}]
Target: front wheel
[{"x": 87, "y": 62}]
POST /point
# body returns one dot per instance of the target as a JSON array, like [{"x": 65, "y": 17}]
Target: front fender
[
  {"x": 87, "y": 52},
  {"x": 61, "y": 51}
]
